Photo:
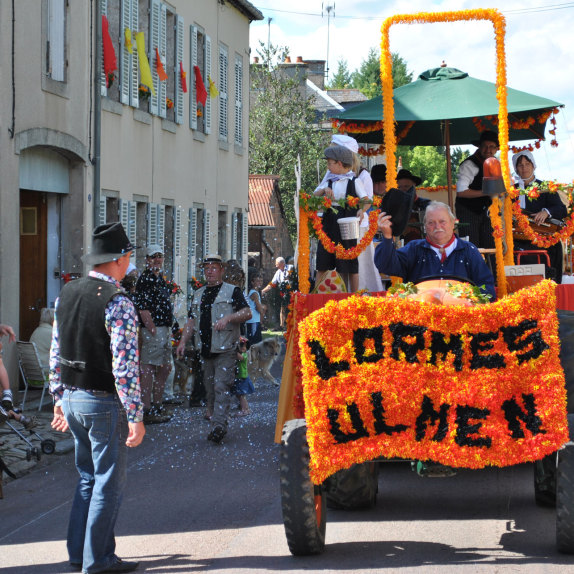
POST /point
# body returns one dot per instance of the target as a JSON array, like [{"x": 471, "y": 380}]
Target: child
[
  {"x": 7, "y": 399},
  {"x": 341, "y": 184},
  {"x": 243, "y": 385},
  {"x": 257, "y": 308}
]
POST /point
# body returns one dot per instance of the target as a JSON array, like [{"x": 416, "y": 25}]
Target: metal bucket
[{"x": 349, "y": 227}]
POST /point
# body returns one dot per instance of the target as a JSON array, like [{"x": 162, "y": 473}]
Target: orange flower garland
[
  {"x": 303, "y": 263},
  {"x": 339, "y": 251},
  {"x": 542, "y": 240},
  {"x": 388, "y": 106},
  {"x": 373, "y": 385}
]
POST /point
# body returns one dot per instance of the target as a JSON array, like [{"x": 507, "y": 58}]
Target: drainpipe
[{"x": 96, "y": 163}]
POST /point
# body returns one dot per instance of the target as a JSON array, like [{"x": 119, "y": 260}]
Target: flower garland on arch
[
  {"x": 499, "y": 24},
  {"x": 344, "y": 127}
]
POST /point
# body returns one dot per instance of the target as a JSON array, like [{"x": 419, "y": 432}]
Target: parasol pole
[{"x": 448, "y": 164}]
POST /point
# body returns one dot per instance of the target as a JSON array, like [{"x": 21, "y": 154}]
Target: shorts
[{"x": 156, "y": 349}]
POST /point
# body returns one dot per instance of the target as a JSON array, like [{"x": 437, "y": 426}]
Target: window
[
  {"x": 128, "y": 218},
  {"x": 157, "y": 45},
  {"x": 222, "y": 232},
  {"x": 200, "y": 118},
  {"x": 223, "y": 67},
  {"x": 198, "y": 246},
  {"x": 156, "y": 224},
  {"x": 239, "y": 237},
  {"x": 238, "y": 100},
  {"x": 56, "y": 48}
]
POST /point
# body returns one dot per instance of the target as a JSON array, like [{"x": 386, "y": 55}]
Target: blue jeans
[{"x": 99, "y": 424}]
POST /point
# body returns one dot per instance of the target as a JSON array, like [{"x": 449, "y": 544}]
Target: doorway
[{"x": 33, "y": 259}]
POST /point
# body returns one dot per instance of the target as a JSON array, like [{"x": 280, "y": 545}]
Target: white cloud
[{"x": 539, "y": 49}]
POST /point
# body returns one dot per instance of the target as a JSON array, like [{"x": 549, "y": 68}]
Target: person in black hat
[
  {"x": 406, "y": 180},
  {"x": 471, "y": 204},
  {"x": 379, "y": 177},
  {"x": 217, "y": 310},
  {"x": 94, "y": 379}
]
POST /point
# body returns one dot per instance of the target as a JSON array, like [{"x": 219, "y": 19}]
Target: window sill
[
  {"x": 143, "y": 117},
  {"x": 54, "y": 87},
  {"x": 223, "y": 145},
  {"x": 109, "y": 105},
  {"x": 168, "y": 126},
  {"x": 239, "y": 149},
  {"x": 198, "y": 136}
]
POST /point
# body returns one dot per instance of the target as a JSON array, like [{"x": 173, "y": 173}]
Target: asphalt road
[{"x": 193, "y": 506}]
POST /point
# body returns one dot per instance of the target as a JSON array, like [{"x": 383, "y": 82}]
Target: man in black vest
[
  {"x": 94, "y": 378},
  {"x": 471, "y": 204}
]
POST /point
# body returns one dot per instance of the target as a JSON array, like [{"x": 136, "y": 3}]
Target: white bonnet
[{"x": 346, "y": 141}]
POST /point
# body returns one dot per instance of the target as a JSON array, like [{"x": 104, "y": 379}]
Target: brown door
[{"x": 33, "y": 259}]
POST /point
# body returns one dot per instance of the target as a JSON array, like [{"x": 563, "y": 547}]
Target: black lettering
[
  {"x": 356, "y": 422},
  {"x": 439, "y": 346},
  {"x": 513, "y": 412},
  {"x": 381, "y": 426},
  {"x": 400, "y": 331},
  {"x": 464, "y": 429},
  {"x": 479, "y": 343},
  {"x": 429, "y": 414},
  {"x": 325, "y": 368},
  {"x": 359, "y": 338},
  {"x": 512, "y": 337}
]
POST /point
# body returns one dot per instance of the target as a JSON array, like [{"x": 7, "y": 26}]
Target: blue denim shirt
[{"x": 417, "y": 260}]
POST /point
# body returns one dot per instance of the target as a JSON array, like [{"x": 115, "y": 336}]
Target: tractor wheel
[
  {"x": 302, "y": 502},
  {"x": 48, "y": 446},
  {"x": 545, "y": 481},
  {"x": 565, "y": 500},
  {"x": 353, "y": 488}
]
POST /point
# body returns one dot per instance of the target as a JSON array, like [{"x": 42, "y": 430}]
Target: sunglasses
[{"x": 156, "y": 256}]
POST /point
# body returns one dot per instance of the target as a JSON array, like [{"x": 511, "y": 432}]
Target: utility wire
[{"x": 531, "y": 10}]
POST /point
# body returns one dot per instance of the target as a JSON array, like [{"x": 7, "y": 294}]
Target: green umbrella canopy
[{"x": 448, "y": 94}]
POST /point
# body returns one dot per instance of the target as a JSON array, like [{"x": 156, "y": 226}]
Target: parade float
[{"x": 430, "y": 373}]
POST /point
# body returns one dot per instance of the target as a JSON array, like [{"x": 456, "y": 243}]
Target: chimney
[
  {"x": 287, "y": 60},
  {"x": 256, "y": 60},
  {"x": 299, "y": 60}
]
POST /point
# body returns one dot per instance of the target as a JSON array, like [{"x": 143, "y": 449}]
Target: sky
[{"x": 539, "y": 48}]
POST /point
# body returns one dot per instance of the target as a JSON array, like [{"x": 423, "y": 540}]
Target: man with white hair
[
  {"x": 281, "y": 276},
  {"x": 440, "y": 253}
]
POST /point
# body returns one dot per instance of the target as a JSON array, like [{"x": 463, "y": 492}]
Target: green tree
[
  {"x": 283, "y": 125},
  {"x": 342, "y": 77},
  {"x": 368, "y": 77}
]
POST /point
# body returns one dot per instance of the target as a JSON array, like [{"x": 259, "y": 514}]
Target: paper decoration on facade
[
  {"x": 213, "y": 91},
  {"x": 145, "y": 70},
  {"x": 161, "y": 74},
  {"x": 110, "y": 62},
  {"x": 183, "y": 76},
  {"x": 201, "y": 92}
]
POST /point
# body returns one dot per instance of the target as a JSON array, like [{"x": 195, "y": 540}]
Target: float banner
[{"x": 463, "y": 386}]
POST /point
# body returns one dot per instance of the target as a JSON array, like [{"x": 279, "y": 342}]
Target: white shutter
[
  {"x": 151, "y": 223},
  {"x": 125, "y": 215},
  {"x": 103, "y": 83},
  {"x": 154, "y": 35},
  {"x": 244, "y": 238},
  {"x": 178, "y": 218},
  {"x": 191, "y": 83},
  {"x": 206, "y": 231},
  {"x": 238, "y": 100},
  {"x": 161, "y": 225},
  {"x": 56, "y": 35},
  {"x": 222, "y": 93},
  {"x": 191, "y": 242},
  {"x": 234, "y": 236},
  {"x": 125, "y": 56},
  {"x": 162, "y": 111},
  {"x": 135, "y": 84},
  {"x": 179, "y": 39},
  {"x": 207, "y": 122},
  {"x": 102, "y": 211},
  {"x": 133, "y": 227}
]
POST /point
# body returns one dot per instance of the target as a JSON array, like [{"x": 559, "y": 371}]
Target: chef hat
[{"x": 346, "y": 141}]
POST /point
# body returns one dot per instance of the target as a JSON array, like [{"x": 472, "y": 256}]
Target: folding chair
[{"x": 31, "y": 369}]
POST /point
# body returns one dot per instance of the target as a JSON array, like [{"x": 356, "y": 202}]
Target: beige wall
[{"x": 143, "y": 157}]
